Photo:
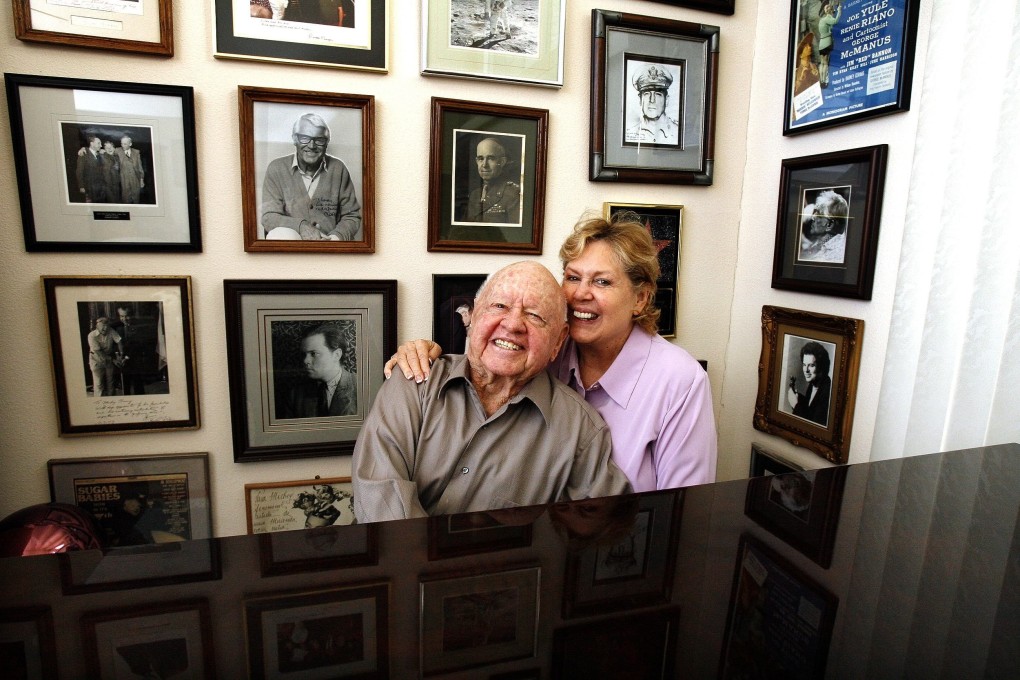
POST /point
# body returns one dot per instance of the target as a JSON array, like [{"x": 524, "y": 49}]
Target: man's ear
[{"x": 559, "y": 343}]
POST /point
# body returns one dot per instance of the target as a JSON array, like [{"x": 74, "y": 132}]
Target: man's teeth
[
  {"x": 507, "y": 345},
  {"x": 584, "y": 315}
]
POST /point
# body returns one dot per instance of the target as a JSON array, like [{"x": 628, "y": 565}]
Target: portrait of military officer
[
  {"x": 652, "y": 117},
  {"x": 495, "y": 194}
]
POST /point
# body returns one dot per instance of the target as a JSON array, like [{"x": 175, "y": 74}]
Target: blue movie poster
[{"x": 848, "y": 57}]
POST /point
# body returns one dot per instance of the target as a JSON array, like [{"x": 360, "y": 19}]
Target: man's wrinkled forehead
[{"x": 532, "y": 283}]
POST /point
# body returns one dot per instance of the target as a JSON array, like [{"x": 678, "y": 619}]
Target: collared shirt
[
  {"x": 657, "y": 402},
  {"x": 331, "y": 385},
  {"x": 311, "y": 179},
  {"x": 429, "y": 449}
]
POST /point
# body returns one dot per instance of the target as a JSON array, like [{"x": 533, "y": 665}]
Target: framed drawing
[
  {"x": 283, "y": 127},
  {"x": 470, "y": 533},
  {"x": 166, "y": 639},
  {"x": 848, "y": 60},
  {"x": 802, "y": 508},
  {"x": 487, "y": 178},
  {"x": 827, "y": 229},
  {"x": 485, "y": 39},
  {"x": 306, "y": 363},
  {"x": 121, "y": 25},
  {"x": 104, "y": 166},
  {"x": 28, "y": 641},
  {"x": 778, "y": 618},
  {"x": 807, "y": 379},
  {"x": 477, "y": 620},
  {"x": 123, "y": 353},
  {"x": 320, "y": 549},
  {"x": 717, "y": 6},
  {"x": 653, "y": 94},
  {"x": 453, "y": 300},
  {"x": 765, "y": 463},
  {"x": 633, "y": 646},
  {"x": 306, "y": 504},
  {"x": 284, "y": 629},
  {"x": 333, "y": 33},
  {"x": 636, "y": 571},
  {"x": 664, "y": 223}
]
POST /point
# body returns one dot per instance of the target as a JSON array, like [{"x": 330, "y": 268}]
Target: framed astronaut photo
[
  {"x": 119, "y": 25},
  {"x": 653, "y": 98},
  {"x": 287, "y": 135},
  {"x": 807, "y": 380},
  {"x": 487, "y": 178},
  {"x": 827, "y": 228},
  {"x": 305, "y": 363}
]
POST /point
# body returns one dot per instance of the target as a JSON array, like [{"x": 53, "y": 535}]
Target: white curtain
[{"x": 952, "y": 369}]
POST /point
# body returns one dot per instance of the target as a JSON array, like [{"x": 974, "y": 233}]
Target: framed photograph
[
  {"x": 104, "y": 166},
  {"x": 305, "y": 504},
  {"x": 470, "y": 533},
  {"x": 163, "y": 640},
  {"x": 778, "y": 619},
  {"x": 848, "y": 60},
  {"x": 664, "y": 223},
  {"x": 453, "y": 300},
  {"x": 28, "y": 645},
  {"x": 339, "y": 632},
  {"x": 802, "y": 508},
  {"x": 332, "y": 33},
  {"x": 520, "y": 41},
  {"x": 653, "y": 94},
  {"x": 487, "y": 178},
  {"x": 477, "y": 620},
  {"x": 319, "y": 549},
  {"x": 633, "y": 646},
  {"x": 830, "y": 206},
  {"x": 123, "y": 351},
  {"x": 717, "y": 6},
  {"x": 282, "y": 127},
  {"x": 636, "y": 571},
  {"x": 765, "y": 463},
  {"x": 807, "y": 379},
  {"x": 306, "y": 363},
  {"x": 120, "y": 25}
]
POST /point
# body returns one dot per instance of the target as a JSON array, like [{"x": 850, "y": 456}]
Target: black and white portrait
[
  {"x": 806, "y": 386},
  {"x": 824, "y": 221},
  {"x": 124, "y": 348},
  {"x": 652, "y": 101},
  {"x": 500, "y": 25},
  {"x": 314, "y": 368},
  {"x": 488, "y": 178},
  {"x": 108, "y": 163}
]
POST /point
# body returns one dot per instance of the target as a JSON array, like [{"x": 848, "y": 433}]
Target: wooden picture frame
[
  {"x": 665, "y": 224},
  {"x": 451, "y": 294},
  {"x": 867, "y": 71},
  {"x": 800, "y": 507},
  {"x": 356, "y": 37},
  {"x": 496, "y": 209},
  {"x": 825, "y": 424},
  {"x": 143, "y": 372},
  {"x": 143, "y": 28},
  {"x": 273, "y": 400},
  {"x": 830, "y": 206},
  {"x": 165, "y": 638},
  {"x": 357, "y": 614},
  {"x": 642, "y": 65},
  {"x": 765, "y": 463},
  {"x": 635, "y": 645},
  {"x": 342, "y": 220},
  {"x": 455, "y": 607},
  {"x": 716, "y": 6},
  {"x": 515, "y": 47},
  {"x": 779, "y": 618},
  {"x": 471, "y": 533},
  {"x": 111, "y": 168},
  {"x": 282, "y": 553},
  {"x": 302, "y": 504},
  {"x": 29, "y": 641}
]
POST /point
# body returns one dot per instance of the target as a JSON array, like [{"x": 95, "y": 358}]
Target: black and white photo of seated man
[{"x": 824, "y": 226}]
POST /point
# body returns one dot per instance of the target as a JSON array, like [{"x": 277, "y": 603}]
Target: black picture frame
[
  {"x": 77, "y": 199},
  {"x": 451, "y": 293},
  {"x": 461, "y": 218},
  {"x": 765, "y": 463},
  {"x": 630, "y": 646},
  {"x": 830, "y": 207},
  {"x": 870, "y": 64},
  {"x": 269, "y": 397},
  {"x": 684, "y": 58}
]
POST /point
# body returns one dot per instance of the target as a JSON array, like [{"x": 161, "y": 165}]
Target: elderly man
[
  {"x": 132, "y": 172},
  {"x": 329, "y": 389},
  {"x": 309, "y": 192},
  {"x": 823, "y": 228},
  {"x": 490, "y": 429},
  {"x": 498, "y": 199},
  {"x": 103, "y": 342},
  {"x": 89, "y": 172},
  {"x": 654, "y": 125}
]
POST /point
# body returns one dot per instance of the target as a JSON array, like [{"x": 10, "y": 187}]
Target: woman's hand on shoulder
[{"x": 414, "y": 358}]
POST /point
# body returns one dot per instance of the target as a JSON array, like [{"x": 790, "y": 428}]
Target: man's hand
[{"x": 414, "y": 358}]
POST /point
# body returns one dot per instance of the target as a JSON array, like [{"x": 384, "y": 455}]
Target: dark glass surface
[{"x": 908, "y": 568}]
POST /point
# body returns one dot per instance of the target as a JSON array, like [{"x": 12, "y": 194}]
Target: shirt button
[{"x": 464, "y": 470}]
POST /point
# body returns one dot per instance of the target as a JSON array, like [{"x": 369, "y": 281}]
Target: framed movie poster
[
  {"x": 306, "y": 361},
  {"x": 487, "y": 178},
  {"x": 121, "y": 25},
  {"x": 518, "y": 42},
  {"x": 807, "y": 379},
  {"x": 334, "y": 33},
  {"x": 453, "y": 300},
  {"x": 664, "y": 223},
  {"x": 335, "y": 132},
  {"x": 104, "y": 166},
  {"x": 305, "y": 504},
  {"x": 848, "y": 60},
  {"x": 827, "y": 230},
  {"x": 653, "y": 95},
  {"x": 123, "y": 353}
]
